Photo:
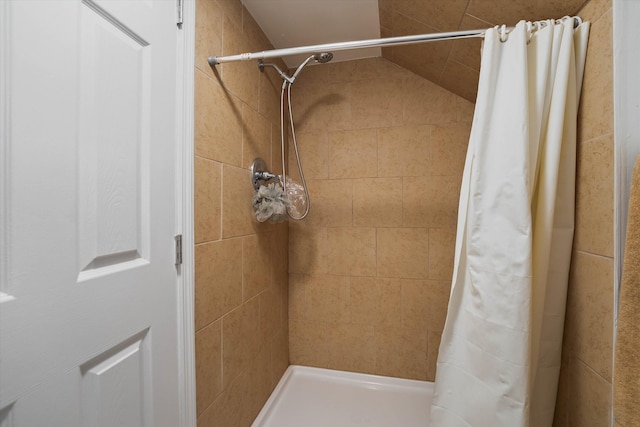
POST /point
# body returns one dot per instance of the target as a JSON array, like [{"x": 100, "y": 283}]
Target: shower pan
[{"x": 315, "y": 397}]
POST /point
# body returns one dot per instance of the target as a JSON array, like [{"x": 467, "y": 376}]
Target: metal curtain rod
[{"x": 358, "y": 44}]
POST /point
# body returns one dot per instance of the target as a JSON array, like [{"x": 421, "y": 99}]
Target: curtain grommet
[{"x": 503, "y": 33}]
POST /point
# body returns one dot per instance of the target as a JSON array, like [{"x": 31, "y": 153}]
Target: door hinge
[
  {"x": 179, "y": 249},
  {"x": 180, "y": 5}
]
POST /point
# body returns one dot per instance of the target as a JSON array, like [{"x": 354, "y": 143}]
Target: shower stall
[{"x": 366, "y": 280}]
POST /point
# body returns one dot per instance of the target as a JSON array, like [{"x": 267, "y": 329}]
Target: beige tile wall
[
  {"x": 584, "y": 394},
  {"x": 370, "y": 268},
  {"x": 241, "y": 266}
]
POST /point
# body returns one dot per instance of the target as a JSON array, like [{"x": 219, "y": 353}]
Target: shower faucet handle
[
  {"x": 259, "y": 172},
  {"x": 264, "y": 176}
]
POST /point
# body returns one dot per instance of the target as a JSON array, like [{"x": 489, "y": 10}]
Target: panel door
[{"x": 88, "y": 315}]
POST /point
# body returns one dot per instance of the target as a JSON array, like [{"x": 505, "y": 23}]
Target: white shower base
[{"x": 313, "y": 397}]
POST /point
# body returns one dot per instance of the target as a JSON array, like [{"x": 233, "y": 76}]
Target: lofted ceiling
[{"x": 453, "y": 64}]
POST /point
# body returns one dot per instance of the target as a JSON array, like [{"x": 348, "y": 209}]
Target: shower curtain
[{"x": 499, "y": 356}]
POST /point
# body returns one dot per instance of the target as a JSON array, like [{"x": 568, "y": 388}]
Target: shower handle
[{"x": 259, "y": 173}]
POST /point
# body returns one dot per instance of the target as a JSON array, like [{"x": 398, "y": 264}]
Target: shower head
[{"x": 323, "y": 57}]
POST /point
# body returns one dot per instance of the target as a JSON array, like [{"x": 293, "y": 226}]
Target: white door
[{"x": 88, "y": 312}]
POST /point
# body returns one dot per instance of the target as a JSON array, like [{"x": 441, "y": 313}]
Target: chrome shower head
[{"x": 323, "y": 57}]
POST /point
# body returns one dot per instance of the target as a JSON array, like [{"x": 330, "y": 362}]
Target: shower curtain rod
[{"x": 358, "y": 44}]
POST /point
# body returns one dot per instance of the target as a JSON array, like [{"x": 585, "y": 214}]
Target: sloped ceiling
[
  {"x": 291, "y": 23},
  {"x": 453, "y": 64}
]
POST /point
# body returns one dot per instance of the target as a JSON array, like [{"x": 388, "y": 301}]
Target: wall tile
[
  {"x": 297, "y": 296},
  {"x": 241, "y": 339},
  {"x": 209, "y": 19},
  {"x": 433, "y": 346},
  {"x": 441, "y": 16},
  {"x": 403, "y": 252},
  {"x": 232, "y": 9},
  {"x": 218, "y": 122},
  {"x": 269, "y": 86},
  {"x": 351, "y": 251},
  {"x": 460, "y": 79},
  {"x": 507, "y": 12},
  {"x": 594, "y": 197},
  {"x": 376, "y": 103},
  {"x": 270, "y": 313},
  {"x": 426, "y": 59},
  {"x": 317, "y": 73},
  {"x": 448, "y": 148},
  {"x": 353, "y": 154},
  {"x": 426, "y": 103},
  {"x": 424, "y": 304},
  {"x": 331, "y": 202},
  {"x": 594, "y": 9},
  {"x": 241, "y": 77},
  {"x": 352, "y": 71},
  {"x": 309, "y": 343},
  {"x": 308, "y": 249},
  {"x": 430, "y": 202},
  {"x": 237, "y": 211},
  {"x": 467, "y": 51},
  {"x": 259, "y": 385},
  {"x": 207, "y": 200},
  {"x": 256, "y": 264},
  {"x": 384, "y": 9},
  {"x": 590, "y": 310},
  {"x": 590, "y": 397},
  {"x": 218, "y": 280},
  {"x": 208, "y": 346},
  {"x": 227, "y": 409},
  {"x": 466, "y": 109},
  {"x": 551, "y": 8},
  {"x": 321, "y": 106},
  {"x": 279, "y": 354},
  {"x": 353, "y": 348},
  {"x": 391, "y": 70},
  {"x": 403, "y": 151},
  {"x": 401, "y": 352},
  {"x": 280, "y": 253},
  {"x": 377, "y": 202},
  {"x": 327, "y": 298},
  {"x": 256, "y": 137},
  {"x": 442, "y": 243},
  {"x": 561, "y": 413},
  {"x": 375, "y": 301},
  {"x": 595, "y": 114},
  {"x": 314, "y": 156}
]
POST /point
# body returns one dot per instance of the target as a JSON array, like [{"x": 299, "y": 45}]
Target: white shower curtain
[{"x": 500, "y": 353}]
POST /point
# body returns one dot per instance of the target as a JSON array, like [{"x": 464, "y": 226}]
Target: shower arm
[
  {"x": 285, "y": 77},
  {"x": 359, "y": 44}
]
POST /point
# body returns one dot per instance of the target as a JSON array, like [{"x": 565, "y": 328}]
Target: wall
[
  {"x": 584, "y": 394},
  {"x": 241, "y": 265},
  {"x": 370, "y": 268}
]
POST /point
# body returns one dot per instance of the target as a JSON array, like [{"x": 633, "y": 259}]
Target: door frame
[{"x": 185, "y": 213}]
